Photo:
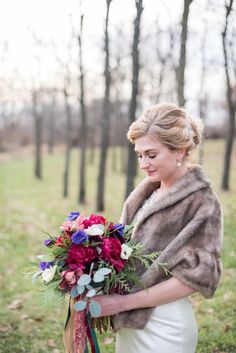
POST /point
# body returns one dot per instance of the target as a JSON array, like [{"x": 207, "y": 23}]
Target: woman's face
[{"x": 157, "y": 160}]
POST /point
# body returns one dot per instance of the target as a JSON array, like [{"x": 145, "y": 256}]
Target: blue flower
[
  {"x": 43, "y": 265},
  {"x": 119, "y": 229},
  {"x": 79, "y": 237},
  {"x": 73, "y": 215},
  {"x": 47, "y": 242}
]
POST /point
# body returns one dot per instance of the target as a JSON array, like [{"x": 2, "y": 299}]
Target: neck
[{"x": 167, "y": 183}]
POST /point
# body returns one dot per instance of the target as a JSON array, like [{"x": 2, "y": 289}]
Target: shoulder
[{"x": 198, "y": 183}]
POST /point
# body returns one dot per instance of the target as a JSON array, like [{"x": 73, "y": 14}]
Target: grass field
[{"x": 28, "y": 205}]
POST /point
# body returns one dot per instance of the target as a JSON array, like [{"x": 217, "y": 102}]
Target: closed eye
[{"x": 149, "y": 156}]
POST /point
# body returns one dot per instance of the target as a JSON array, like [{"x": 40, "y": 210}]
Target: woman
[{"x": 175, "y": 211}]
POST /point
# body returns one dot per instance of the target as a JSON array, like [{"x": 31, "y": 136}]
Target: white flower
[
  {"x": 49, "y": 273},
  {"x": 125, "y": 251},
  {"x": 95, "y": 229}
]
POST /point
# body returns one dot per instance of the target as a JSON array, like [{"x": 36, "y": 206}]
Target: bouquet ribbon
[{"x": 78, "y": 330}]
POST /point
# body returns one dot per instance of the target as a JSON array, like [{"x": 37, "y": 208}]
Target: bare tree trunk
[
  {"x": 105, "y": 123},
  {"x": 132, "y": 160},
  {"x": 182, "y": 59},
  {"x": 51, "y": 127},
  {"x": 68, "y": 144},
  {"x": 83, "y": 130},
  {"x": 230, "y": 103},
  {"x": 92, "y": 141},
  {"x": 38, "y": 135}
]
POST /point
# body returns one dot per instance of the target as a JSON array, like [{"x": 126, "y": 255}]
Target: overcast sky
[{"x": 51, "y": 20}]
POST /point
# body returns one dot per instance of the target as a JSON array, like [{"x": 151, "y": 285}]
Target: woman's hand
[{"x": 110, "y": 304}]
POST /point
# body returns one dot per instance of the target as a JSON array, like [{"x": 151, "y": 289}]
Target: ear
[{"x": 181, "y": 153}]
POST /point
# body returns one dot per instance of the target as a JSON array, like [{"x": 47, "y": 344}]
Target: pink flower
[
  {"x": 69, "y": 278},
  {"x": 94, "y": 219},
  {"x": 111, "y": 250},
  {"x": 68, "y": 226},
  {"x": 79, "y": 221}
]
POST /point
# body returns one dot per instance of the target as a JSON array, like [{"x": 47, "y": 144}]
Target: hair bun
[{"x": 197, "y": 128}]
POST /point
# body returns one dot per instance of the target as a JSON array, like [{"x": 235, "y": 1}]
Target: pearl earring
[{"x": 179, "y": 164}]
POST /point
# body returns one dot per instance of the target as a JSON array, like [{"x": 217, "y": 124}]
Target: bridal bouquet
[{"x": 90, "y": 256}]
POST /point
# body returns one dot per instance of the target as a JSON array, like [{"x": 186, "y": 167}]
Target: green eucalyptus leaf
[
  {"x": 80, "y": 288},
  {"x": 80, "y": 305},
  {"x": 91, "y": 293},
  {"x": 74, "y": 292},
  {"x": 95, "y": 309},
  {"x": 98, "y": 277},
  {"x": 84, "y": 279},
  {"x": 103, "y": 271}
]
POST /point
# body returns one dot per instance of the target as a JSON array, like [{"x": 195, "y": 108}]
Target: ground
[{"x": 30, "y": 205}]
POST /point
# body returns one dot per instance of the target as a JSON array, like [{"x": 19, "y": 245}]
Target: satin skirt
[{"x": 172, "y": 328}]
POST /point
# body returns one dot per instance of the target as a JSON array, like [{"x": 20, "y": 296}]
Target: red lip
[{"x": 150, "y": 172}]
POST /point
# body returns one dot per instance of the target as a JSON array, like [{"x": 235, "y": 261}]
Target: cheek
[
  {"x": 159, "y": 160},
  {"x": 165, "y": 162}
]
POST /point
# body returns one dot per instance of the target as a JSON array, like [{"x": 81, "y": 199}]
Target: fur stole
[{"x": 185, "y": 224}]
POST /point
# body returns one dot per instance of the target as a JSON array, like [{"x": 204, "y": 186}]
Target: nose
[{"x": 144, "y": 163}]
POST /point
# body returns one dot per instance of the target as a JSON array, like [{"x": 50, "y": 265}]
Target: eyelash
[{"x": 152, "y": 157}]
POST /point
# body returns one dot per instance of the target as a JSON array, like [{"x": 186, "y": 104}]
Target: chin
[{"x": 153, "y": 178}]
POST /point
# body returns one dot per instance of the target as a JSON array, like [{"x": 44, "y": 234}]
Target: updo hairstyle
[{"x": 170, "y": 125}]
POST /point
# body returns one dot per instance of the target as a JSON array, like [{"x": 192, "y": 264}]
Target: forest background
[{"x": 73, "y": 76}]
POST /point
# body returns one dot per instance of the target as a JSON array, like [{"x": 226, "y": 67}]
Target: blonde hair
[{"x": 170, "y": 125}]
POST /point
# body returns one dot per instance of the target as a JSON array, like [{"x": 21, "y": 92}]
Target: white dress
[{"x": 171, "y": 328}]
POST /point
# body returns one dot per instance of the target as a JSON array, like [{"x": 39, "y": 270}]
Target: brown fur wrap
[{"x": 185, "y": 224}]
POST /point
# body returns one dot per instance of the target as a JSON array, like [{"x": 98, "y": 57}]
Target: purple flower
[
  {"x": 43, "y": 265},
  {"x": 119, "y": 229},
  {"x": 73, "y": 215},
  {"x": 79, "y": 237},
  {"x": 47, "y": 242}
]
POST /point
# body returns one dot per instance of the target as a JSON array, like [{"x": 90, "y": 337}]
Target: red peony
[
  {"x": 111, "y": 250},
  {"x": 79, "y": 255},
  {"x": 94, "y": 219}
]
